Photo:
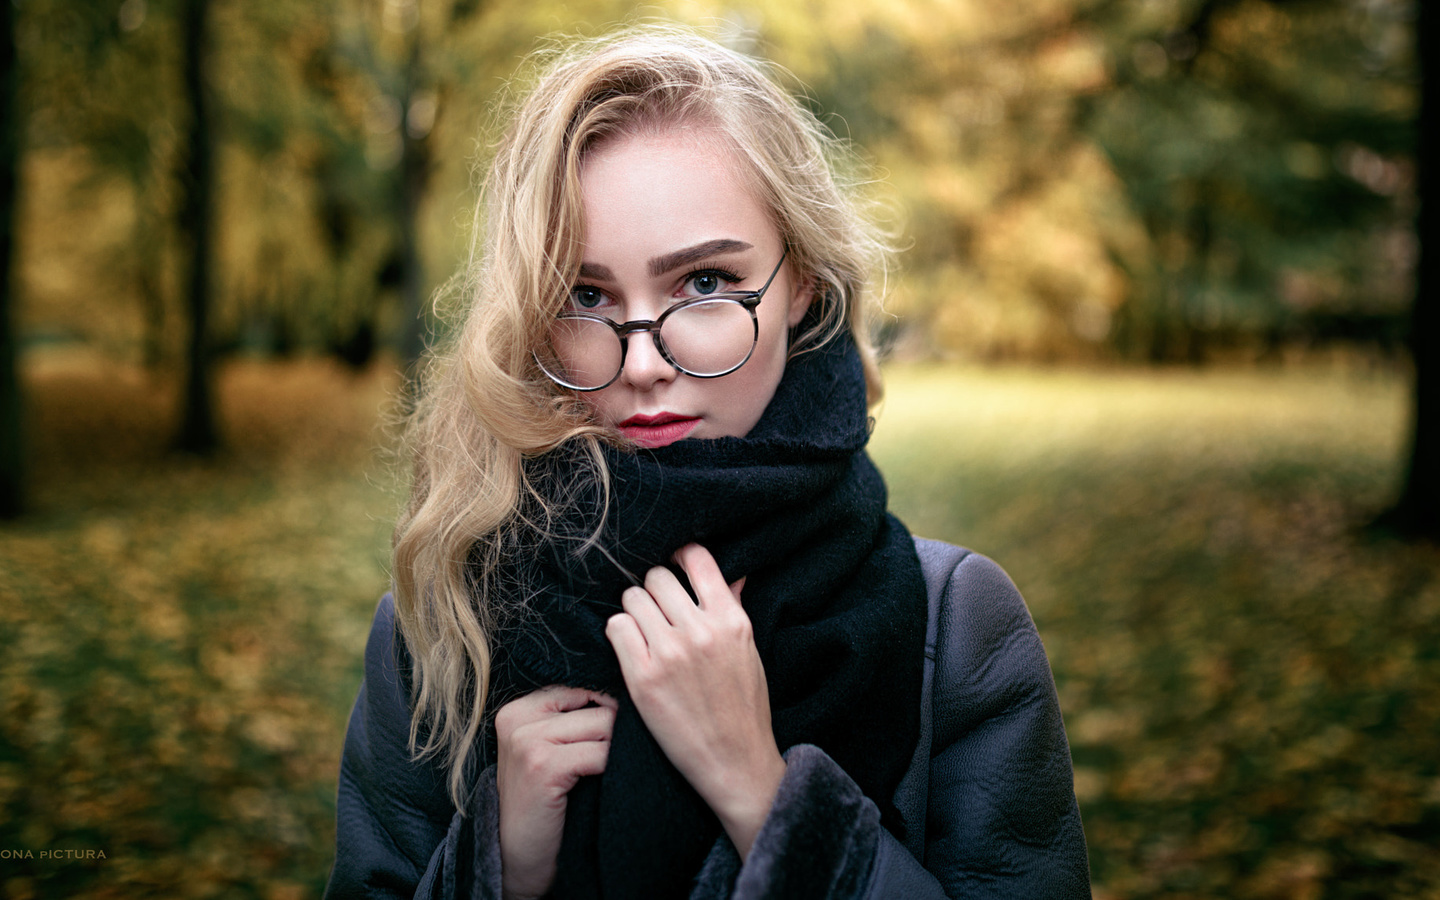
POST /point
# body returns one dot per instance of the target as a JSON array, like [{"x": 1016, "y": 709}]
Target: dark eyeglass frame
[{"x": 747, "y": 299}]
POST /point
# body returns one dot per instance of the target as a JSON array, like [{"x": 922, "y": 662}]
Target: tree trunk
[
  {"x": 12, "y": 444},
  {"x": 1418, "y": 510},
  {"x": 197, "y": 415}
]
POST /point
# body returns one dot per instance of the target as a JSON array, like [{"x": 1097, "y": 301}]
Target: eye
[
  {"x": 709, "y": 281},
  {"x": 585, "y": 297}
]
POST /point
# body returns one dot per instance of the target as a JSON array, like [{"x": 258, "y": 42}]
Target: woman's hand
[
  {"x": 546, "y": 740},
  {"x": 696, "y": 679}
]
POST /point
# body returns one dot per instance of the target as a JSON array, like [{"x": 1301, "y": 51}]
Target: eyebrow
[{"x": 669, "y": 262}]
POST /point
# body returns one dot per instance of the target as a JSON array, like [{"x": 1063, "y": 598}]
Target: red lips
[{"x": 658, "y": 430}]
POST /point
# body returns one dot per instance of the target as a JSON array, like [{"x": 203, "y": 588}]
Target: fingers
[
  {"x": 654, "y": 607},
  {"x": 662, "y": 604},
  {"x": 549, "y": 769},
  {"x": 561, "y": 698},
  {"x": 551, "y": 741},
  {"x": 668, "y": 595},
  {"x": 547, "y": 740},
  {"x": 583, "y": 758},
  {"x": 629, "y": 642},
  {"x": 695, "y": 676},
  {"x": 557, "y": 714},
  {"x": 590, "y": 724},
  {"x": 704, "y": 574}
]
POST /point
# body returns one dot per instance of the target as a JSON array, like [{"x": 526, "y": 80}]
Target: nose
[{"x": 644, "y": 366}]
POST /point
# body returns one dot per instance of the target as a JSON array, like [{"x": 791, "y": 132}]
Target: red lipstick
[{"x": 659, "y": 429}]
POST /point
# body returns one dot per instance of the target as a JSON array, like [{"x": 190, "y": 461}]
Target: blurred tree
[
  {"x": 965, "y": 108},
  {"x": 1264, "y": 145},
  {"x": 103, "y": 78},
  {"x": 12, "y": 444},
  {"x": 406, "y": 56},
  {"x": 198, "y": 433},
  {"x": 1161, "y": 176},
  {"x": 304, "y": 229},
  {"x": 1252, "y": 189},
  {"x": 1418, "y": 509}
]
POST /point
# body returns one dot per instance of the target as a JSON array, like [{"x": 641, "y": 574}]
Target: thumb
[{"x": 737, "y": 586}]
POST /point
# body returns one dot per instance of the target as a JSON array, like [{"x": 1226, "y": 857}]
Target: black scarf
[{"x": 833, "y": 589}]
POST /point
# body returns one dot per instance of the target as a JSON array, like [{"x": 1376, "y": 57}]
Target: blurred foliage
[
  {"x": 183, "y": 639},
  {"x": 1157, "y": 178},
  {"x": 1250, "y": 688},
  {"x": 1249, "y": 683}
]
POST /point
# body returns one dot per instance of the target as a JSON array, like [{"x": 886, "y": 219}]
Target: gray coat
[{"x": 988, "y": 801}]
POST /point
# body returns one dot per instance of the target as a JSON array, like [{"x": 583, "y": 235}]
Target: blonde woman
[{"x": 653, "y": 632}]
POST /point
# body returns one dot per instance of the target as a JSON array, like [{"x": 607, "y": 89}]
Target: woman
[{"x": 653, "y": 632}]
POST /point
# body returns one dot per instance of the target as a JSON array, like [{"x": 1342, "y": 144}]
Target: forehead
[{"x": 686, "y": 180}]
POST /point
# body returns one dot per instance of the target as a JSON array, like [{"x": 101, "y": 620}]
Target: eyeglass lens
[{"x": 705, "y": 339}]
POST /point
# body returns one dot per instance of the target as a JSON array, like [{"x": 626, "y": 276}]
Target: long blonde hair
[{"x": 485, "y": 407}]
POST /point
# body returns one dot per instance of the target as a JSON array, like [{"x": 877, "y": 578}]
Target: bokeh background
[{"x": 1147, "y": 347}]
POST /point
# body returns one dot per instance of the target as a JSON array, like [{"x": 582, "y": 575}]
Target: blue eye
[
  {"x": 586, "y": 298},
  {"x": 710, "y": 281},
  {"x": 705, "y": 282}
]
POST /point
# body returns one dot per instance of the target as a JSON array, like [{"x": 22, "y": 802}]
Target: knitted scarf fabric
[{"x": 833, "y": 590}]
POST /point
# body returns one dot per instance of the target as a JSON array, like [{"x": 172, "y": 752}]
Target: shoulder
[
  {"x": 987, "y": 654},
  {"x": 1001, "y": 817},
  {"x": 956, "y": 575},
  {"x": 971, "y": 598}
]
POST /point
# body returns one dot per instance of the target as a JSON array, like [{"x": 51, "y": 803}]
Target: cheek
[
  {"x": 774, "y": 343},
  {"x": 766, "y": 367},
  {"x": 604, "y": 404}
]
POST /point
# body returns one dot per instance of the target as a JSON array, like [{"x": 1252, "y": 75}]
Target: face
[{"x": 669, "y": 216}]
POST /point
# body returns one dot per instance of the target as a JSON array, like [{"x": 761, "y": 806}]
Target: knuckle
[
  {"x": 536, "y": 769},
  {"x": 633, "y": 596},
  {"x": 703, "y": 640},
  {"x": 733, "y": 621},
  {"x": 669, "y": 654},
  {"x": 741, "y": 628},
  {"x": 654, "y": 578},
  {"x": 642, "y": 682},
  {"x": 507, "y": 719}
]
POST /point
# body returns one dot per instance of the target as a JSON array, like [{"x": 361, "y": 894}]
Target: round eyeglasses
[{"x": 704, "y": 337}]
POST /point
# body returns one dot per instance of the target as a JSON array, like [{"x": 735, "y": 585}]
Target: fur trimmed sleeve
[
  {"x": 818, "y": 840},
  {"x": 822, "y": 839}
]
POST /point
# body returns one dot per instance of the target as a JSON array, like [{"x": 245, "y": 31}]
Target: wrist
[
  {"x": 511, "y": 891},
  {"x": 744, "y": 811}
]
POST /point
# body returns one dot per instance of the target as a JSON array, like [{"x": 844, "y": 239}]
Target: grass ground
[
  {"x": 1251, "y": 687},
  {"x": 183, "y": 638}
]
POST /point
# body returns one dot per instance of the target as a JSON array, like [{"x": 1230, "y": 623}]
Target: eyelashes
[
  {"x": 724, "y": 276},
  {"x": 589, "y": 296}
]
